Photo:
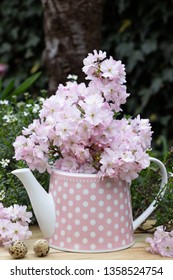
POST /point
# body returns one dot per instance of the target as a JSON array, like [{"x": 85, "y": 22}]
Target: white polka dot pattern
[{"x": 91, "y": 214}]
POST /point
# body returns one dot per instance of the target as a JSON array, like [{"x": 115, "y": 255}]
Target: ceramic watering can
[{"x": 82, "y": 213}]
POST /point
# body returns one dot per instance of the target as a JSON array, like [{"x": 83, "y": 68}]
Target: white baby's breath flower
[
  {"x": 19, "y": 104},
  {"x": 9, "y": 118},
  {"x": 6, "y": 118},
  {"x": 4, "y": 162},
  {"x": 2, "y": 195},
  {"x": 26, "y": 94},
  {"x": 72, "y": 77},
  {"x": 41, "y": 100},
  {"x": 36, "y": 108},
  {"x": 4, "y": 102}
]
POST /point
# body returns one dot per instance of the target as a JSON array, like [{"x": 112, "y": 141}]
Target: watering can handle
[{"x": 161, "y": 192}]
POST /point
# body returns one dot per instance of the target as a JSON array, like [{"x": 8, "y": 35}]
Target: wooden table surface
[{"x": 136, "y": 252}]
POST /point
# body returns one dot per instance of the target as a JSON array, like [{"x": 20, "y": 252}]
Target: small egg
[
  {"x": 18, "y": 249},
  {"x": 41, "y": 248}
]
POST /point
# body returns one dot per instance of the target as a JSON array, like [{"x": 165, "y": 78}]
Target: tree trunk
[{"x": 72, "y": 29}]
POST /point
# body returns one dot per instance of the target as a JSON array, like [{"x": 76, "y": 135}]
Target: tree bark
[{"x": 72, "y": 29}]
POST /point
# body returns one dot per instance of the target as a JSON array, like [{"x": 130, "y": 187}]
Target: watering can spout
[{"x": 41, "y": 201}]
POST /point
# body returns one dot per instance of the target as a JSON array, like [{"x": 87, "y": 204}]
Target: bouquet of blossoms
[{"x": 78, "y": 131}]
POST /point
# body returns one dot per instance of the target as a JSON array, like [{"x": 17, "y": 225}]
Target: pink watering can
[{"x": 82, "y": 213}]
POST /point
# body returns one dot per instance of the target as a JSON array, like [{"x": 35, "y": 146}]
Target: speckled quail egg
[
  {"x": 41, "y": 248},
  {"x": 18, "y": 249}
]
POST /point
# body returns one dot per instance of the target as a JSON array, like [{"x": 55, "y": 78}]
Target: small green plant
[{"x": 15, "y": 115}]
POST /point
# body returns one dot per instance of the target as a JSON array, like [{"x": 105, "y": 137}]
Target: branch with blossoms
[{"x": 77, "y": 130}]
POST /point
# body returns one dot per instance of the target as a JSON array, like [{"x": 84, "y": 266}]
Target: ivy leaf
[
  {"x": 149, "y": 46},
  {"x": 125, "y": 49},
  {"x": 5, "y": 47},
  {"x": 168, "y": 75},
  {"x": 135, "y": 57},
  {"x": 156, "y": 85}
]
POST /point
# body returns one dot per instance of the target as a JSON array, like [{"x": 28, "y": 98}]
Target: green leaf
[
  {"x": 134, "y": 59},
  {"x": 156, "y": 85},
  {"x": 5, "y": 47},
  {"x": 168, "y": 74},
  {"x": 0, "y": 86},
  {"x": 26, "y": 84},
  {"x": 149, "y": 46},
  {"x": 7, "y": 89}
]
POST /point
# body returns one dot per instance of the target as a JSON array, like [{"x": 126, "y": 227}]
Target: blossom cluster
[
  {"x": 14, "y": 222},
  {"x": 161, "y": 243},
  {"x": 77, "y": 130}
]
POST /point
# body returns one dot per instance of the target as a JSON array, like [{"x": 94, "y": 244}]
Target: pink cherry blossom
[
  {"x": 77, "y": 130},
  {"x": 69, "y": 164},
  {"x": 14, "y": 221},
  {"x": 113, "y": 70},
  {"x": 91, "y": 63},
  {"x": 161, "y": 243},
  {"x": 4, "y": 228},
  {"x": 165, "y": 246},
  {"x": 153, "y": 246}
]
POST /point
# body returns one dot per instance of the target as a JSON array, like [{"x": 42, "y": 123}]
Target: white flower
[
  {"x": 19, "y": 104},
  {"x": 9, "y": 118},
  {"x": 72, "y": 77},
  {"x": 36, "y": 108},
  {"x": 41, "y": 100},
  {"x": 26, "y": 94},
  {"x": 2, "y": 195},
  {"x": 4, "y": 102},
  {"x": 4, "y": 162}
]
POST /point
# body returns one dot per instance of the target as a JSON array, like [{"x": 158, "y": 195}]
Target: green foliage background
[
  {"x": 140, "y": 34},
  {"x": 22, "y": 39}
]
